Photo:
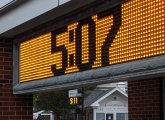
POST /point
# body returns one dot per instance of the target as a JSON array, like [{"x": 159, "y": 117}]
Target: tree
[{"x": 55, "y": 101}]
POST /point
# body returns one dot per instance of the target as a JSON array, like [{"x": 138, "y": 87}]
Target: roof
[
  {"x": 99, "y": 94},
  {"x": 95, "y": 95}
]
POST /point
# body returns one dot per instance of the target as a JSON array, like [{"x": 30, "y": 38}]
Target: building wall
[
  {"x": 89, "y": 114},
  {"x": 12, "y": 107},
  {"x": 115, "y": 97},
  {"x": 145, "y": 99},
  {"x": 112, "y": 106}
]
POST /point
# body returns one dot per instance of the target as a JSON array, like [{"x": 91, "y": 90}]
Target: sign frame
[
  {"x": 73, "y": 93},
  {"x": 132, "y": 70}
]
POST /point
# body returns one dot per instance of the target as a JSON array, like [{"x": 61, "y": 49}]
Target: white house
[{"x": 107, "y": 103}]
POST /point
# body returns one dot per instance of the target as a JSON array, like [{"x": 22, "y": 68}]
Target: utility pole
[
  {"x": 58, "y": 2},
  {"x": 83, "y": 110}
]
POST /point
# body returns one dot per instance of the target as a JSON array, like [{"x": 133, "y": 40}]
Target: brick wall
[
  {"x": 145, "y": 99},
  {"x": 89, "y": 114},
  {"x": 45, "y": 117},
  {"x": 12, "y": 107}
]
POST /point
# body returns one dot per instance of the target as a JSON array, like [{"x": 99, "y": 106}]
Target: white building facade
[{"x": 111, "y": 106}]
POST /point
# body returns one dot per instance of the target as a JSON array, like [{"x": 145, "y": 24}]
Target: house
[
  {"x": 46, "y": 115},
  {"x": 107, "y": 102}
]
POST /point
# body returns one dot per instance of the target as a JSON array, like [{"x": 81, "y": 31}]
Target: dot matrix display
[{"x": 131, "y": 31}]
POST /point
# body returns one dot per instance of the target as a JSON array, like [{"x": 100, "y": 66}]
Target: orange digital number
[{"x": 73, "y": 100}]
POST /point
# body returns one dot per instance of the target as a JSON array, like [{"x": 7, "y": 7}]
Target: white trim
[
  {"x": 114, "y": 115},
  {"x": 94, "y": 114},
  {"x": 96, "y": 103}
]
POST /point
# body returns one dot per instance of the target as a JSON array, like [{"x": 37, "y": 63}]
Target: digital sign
[
  {"x": 73, "y": 100},
  {"x": 131, "y": 31}
]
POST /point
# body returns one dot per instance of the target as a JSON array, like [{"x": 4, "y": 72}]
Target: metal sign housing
[{"x": 106, "y": 41}]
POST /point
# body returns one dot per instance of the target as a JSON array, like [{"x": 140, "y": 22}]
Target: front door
[{"x": 109, "y": 116}]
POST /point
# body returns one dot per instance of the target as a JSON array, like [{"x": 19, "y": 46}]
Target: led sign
[
  {"x": 131, "y": 31},
  {"x": 73, "y": 101}
]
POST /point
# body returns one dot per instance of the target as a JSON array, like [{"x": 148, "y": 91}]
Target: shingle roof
[{"x": 95, "y": 95}]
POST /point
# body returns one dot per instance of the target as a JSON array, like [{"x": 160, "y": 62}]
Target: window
[
  {"x": 121, "y": 116},
  {"x": 100, "y": 116}
]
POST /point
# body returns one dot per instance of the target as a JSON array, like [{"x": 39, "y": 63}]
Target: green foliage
[
  {"x": 58, "y": 101},
  {"x": 55, "y": 101}
]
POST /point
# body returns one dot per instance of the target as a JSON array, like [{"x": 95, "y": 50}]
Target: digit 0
[{"x": 87, "y": 28}]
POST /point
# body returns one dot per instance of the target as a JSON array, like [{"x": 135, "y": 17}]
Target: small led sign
[
  {"x": 131, "y": 31},
  {"x": 73, "y": 100}
]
